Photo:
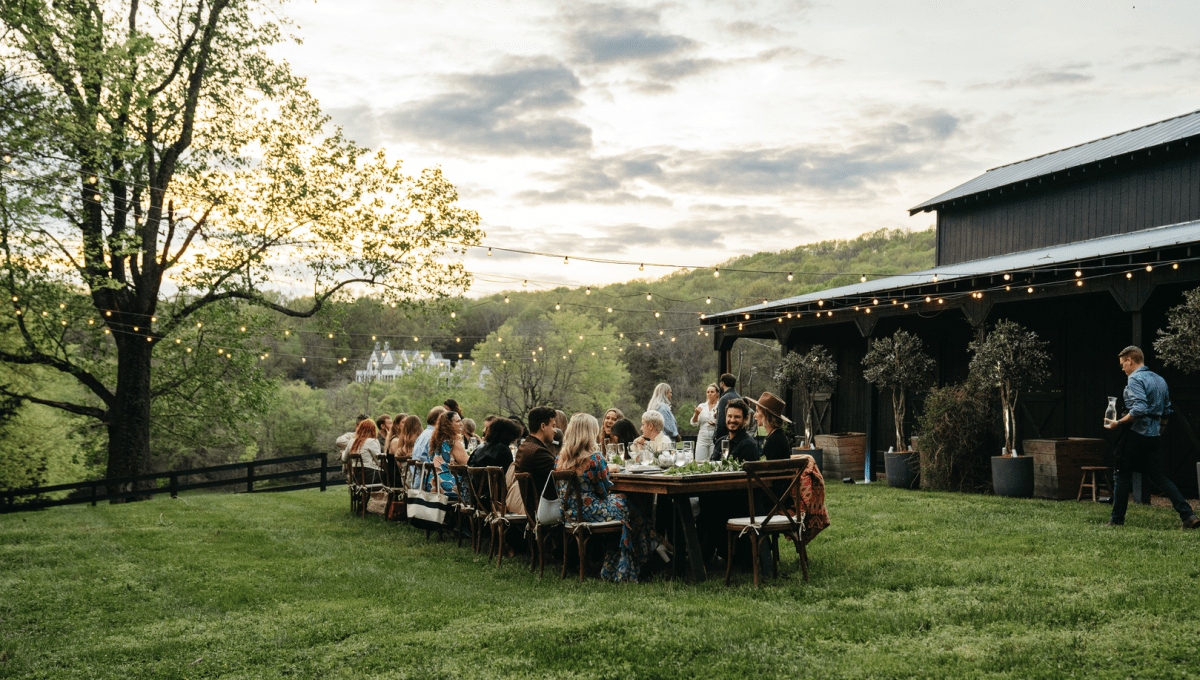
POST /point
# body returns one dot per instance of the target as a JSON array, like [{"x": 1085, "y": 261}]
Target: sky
[{"x": 688, "y": 133}]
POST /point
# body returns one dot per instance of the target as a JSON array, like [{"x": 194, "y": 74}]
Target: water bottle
[{"x": 1111, "y": 413}]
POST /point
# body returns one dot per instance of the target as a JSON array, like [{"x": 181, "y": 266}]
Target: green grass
[{"x": 905, "y": 584}]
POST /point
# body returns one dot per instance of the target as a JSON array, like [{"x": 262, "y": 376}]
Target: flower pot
[
  {"x": 903, "y": 469},
  {"x": 845, "y": 454},
  {"x": 1012, "y": 477},
  {"x": 1057, "y": 464},
  {"x": 817, "y": 456}
]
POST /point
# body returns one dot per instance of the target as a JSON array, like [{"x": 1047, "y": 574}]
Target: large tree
[{"x": 162, "y": 174}]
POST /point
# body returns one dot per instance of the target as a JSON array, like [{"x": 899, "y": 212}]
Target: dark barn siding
[{"x": 1075, "y": 209}]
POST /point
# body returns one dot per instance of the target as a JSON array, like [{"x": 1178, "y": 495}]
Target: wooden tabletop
[{"x": 684, "y": 484}]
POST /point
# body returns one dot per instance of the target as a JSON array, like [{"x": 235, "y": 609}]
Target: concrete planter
[
  {"x": 903, "y": 469},
  {"x": 1012, "y": 477},
  {"x": 845, "y": 454},
  {"x": 1057, "y": 464}
]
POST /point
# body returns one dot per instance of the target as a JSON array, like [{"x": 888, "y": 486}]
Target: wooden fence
[{"x": 181, "y": 480}]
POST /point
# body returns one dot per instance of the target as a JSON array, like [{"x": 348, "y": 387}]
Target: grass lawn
[{"x": 904, "y": 584}]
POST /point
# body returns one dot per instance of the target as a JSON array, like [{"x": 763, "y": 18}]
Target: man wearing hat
[{"x": 770, "y": 416}]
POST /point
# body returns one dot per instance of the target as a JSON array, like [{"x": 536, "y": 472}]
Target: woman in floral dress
[{"x": 623, "y": 562}]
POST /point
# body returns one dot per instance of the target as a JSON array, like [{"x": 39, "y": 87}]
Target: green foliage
[
  {"x": 807, "y": 373},
  {"x": 899, "y": 364},
  {"x": 1179, "y": 344},
  {"x": 954, "y": 433},
  {"x": 563, "y": 360},
  {"x": 904, "y": 584},
  {"x": 1009, "y": 359}
]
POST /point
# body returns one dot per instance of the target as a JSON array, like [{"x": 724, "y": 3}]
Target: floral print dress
[{"x": 623, "y": 562}]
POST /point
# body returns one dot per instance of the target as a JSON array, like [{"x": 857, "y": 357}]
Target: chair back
[
  {"x": 477, "y": 486},
  {"x": 358, "y": 472},
  {"x": 497, "y": 491},
  {"x": 529, "y": 496},
  {"x": 756, "y": 470},
  {"x": 427, "y": 476},
  {"x": 394, "y": 468},
  {"x": 573, "y": 498},
  {"x": 459, "y": 474}
]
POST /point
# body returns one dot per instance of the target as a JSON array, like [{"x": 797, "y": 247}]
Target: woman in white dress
[{"x": 705, "y": 416}]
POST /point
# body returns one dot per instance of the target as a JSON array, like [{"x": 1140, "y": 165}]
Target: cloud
[
  {"x": 749, "y": 29},
  {"x": 610, "y": 33},
  {"x": 1041, "y": 77},
  {"x": 889, "y": 144},
  {"x": 1167, "y": 57},
  {"x": 521, "y": 108}
]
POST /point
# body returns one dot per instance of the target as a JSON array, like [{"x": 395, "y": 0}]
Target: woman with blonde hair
[
  {"x": 661, "y": 402},
  {"x": 705, "y": 416},
  {"x": 580, "y": 455}
]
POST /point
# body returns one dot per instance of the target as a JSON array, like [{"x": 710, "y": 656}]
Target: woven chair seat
[{"x": 573, "y": 526}]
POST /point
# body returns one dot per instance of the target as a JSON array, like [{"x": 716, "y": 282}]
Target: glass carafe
[{"x": 1111, "y": 412}]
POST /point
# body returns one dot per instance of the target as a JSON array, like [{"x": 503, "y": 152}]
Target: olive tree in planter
[
  {"x": 807, "y": 373},
  {"x": 899, "y": 363},
  {"x": 1010, "y": 359},
  {"x": 1179, "y": 344}
]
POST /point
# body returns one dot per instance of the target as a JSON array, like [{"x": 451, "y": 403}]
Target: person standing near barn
[{"x": 1140, "y": 446}]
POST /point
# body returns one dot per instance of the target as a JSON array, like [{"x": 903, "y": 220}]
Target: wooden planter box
[
  {"x": 844, "y": 453},
  {"x": 1057, "y": 463}
]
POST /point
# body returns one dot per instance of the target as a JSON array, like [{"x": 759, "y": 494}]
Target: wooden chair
[
  {"x": 535, "y": 533},
  {"x": 500, "y": 519},
  {"x": 395, "y": 485},
  {"x": 477, "y": 486},
  {"x": 783, "y": 518},
  {"x": 360, "y": 487},
  {"x": 573, "y": 525},
  {"x": 467, "y": 504}
]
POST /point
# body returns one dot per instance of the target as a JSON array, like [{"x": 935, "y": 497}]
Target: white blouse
[
  {"x": 369, "y": 450},
  {"x": 706, "y": 419}
]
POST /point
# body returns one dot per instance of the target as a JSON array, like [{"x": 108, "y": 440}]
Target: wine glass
[{"x": 724, "y": 450}]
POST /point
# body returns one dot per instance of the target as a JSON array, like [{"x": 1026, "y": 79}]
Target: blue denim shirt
[
  {"x": 1146, "y": 395},
  {"x": 669, "y": 426}
]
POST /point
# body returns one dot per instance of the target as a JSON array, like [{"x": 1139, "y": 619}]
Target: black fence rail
[{"x": 253, "y": 477}]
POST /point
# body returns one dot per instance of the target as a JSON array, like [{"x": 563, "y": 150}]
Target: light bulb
[
  {"x": 557, "y": 306},
  {"x": 789, "y": 276},
  {"x": 717, "y": 272},
  {"x": 1029, "y": 289},
  {"x": 820, "y": 303},
  {"x": 1129, "y": 275},
  {"x": 647, "y": 296},
  {"x": 1149, "y": 268},
  {"x": 489, "y": 252},
  {"x": 524, "y": 283},
  {"x": 1078, "y": 273},
  {"x": 862, "y": 279},
  {"x": 588, "y": 291},
  {"x": 506, "y": 299},
  {"x": 453, "y": 315},
  {"x": 566, "y": 260},
  {"x": 610, "y": 310},
  {"x": 1007, "y": 277},
  {"x": 641, "y": 267},
  {"x": 1175, "y": 266}
]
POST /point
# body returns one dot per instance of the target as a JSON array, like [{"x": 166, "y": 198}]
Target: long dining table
[{"x": 677, "y": 490}]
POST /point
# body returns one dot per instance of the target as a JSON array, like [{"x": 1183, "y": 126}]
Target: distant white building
[{"x": 387, "y": 364}]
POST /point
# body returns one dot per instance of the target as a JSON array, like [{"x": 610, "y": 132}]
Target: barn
[{"x": 1088, "y": 246}]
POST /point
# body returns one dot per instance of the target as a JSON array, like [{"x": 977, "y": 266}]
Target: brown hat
[{"x": 771, "y": 404}]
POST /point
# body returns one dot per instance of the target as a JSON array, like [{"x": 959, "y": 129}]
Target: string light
[
  {"x": 557, "y": 306},
  {"x": 648, "y": 296},
  {"x": 489, "y": 252},
  {"x": 862, "y": 279},
  {"x": 1149, "y": 268},
  {"x": 1078, "y": 273},
  {"x": 506, "y": 299},
  {"x": 588, "y": 291},
  {"x": 717, "y": 273},
  {"x": 641, "y": 267},
  {"x": 1175, "y": 266},
  {"x": 1007, "y": 277},
  {"x": 789, "y": 276},
  {"x": 708, "y": 300},
  {"x": 1129, "y": 275},
  {"x": 566, "y": 260},
  {"x": 610, "y": 310},
  {"x": 1029, "y": 289}
]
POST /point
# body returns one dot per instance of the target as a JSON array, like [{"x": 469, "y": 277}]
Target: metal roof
[
  {"x": 1163, "y": 132},
  {"x": 1105, "y": 246}
]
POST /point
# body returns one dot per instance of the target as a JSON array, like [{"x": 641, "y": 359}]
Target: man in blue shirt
[{"x": 1138, "y": 450}]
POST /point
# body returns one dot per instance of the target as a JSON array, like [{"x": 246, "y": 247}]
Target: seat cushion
[{"x": 777, "y": 522}]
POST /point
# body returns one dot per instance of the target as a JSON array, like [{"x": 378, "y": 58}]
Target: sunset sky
[{"x": 692, "y": 132}]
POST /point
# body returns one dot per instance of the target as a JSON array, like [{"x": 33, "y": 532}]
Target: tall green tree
[
  {"x": 899, "y": 364},
  {"x": 197, "y": 172},
  {"x": 560, "y": 359},
  {"x": 1009, "y": 359}
]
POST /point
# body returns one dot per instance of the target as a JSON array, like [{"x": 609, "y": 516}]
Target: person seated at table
[
  {"x": 623, "y": 562},
  {"x": 366, "y": 444},
  {"x": 496, "y": 451},
  {"x": 344, "y": 440},
  {"x": 770, "y": 417},
  {"x": 624, "y": 432},
  {"x": 652, "y": 433},
  {"x": 421, "y": 447},
  {"x": 405, "y": 430},
  {"x": 534, "y": 454},
  {"x": 383, "y": 425},
  {"x": 448, "y": 445},
  {"x": 611, "y": 416},
  {"x": 742, "y": 446},
  {"x": 473, "y": 441}
]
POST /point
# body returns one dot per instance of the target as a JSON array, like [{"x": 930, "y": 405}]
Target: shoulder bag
[
  {"x": 549, "y": 512},
  {"x": 429, "y": 506}
]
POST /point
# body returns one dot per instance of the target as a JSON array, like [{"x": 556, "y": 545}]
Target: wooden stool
[{"x": 1084, "y": 484}]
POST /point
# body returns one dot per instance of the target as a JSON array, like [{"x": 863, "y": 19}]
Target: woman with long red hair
[{"x": 366, "y": 444}]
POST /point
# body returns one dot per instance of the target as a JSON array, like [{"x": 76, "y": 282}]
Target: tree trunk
[
  {"x": 129, "y": 423},
  {"x": 898, "y": 415}
]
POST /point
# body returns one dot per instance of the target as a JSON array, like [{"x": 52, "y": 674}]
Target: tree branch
[
  {"x": 41, "y": 359},
  {"x": 99, "y": 414},
  {"x": 257, "y": 298}
]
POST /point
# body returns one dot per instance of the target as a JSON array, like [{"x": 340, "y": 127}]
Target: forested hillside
[{"x": 598, "y": 357}]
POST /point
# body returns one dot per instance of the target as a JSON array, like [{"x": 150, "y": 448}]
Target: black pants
[{"x": 1139, "y": 453}]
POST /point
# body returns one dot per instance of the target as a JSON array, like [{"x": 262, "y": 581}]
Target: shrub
[{"x": 955, "y": 434}]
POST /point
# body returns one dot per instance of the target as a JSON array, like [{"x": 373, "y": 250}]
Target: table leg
[{"x": 691, "y": 539}]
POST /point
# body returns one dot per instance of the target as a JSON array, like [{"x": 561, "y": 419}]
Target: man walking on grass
[{"x": 1139, "y": 448}]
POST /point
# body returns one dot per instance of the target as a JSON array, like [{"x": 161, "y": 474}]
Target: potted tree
[
  {"x": 807, "y": 374},
  {"x": 1010, "y": 359},
  {"x": 899, "y": 364},
  {"x": 1178, "y": 345}
]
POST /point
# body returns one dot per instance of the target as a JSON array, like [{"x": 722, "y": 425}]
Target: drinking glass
[{"x": 724, "y": 450}]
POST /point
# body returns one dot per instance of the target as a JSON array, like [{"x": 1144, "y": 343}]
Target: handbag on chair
[
  {"x": 549, "y": 512},
  {"x": 430, "y": 506}
]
